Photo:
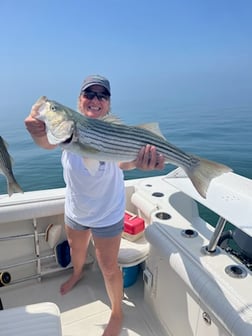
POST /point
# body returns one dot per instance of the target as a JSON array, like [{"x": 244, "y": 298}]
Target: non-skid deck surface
[{"x": 85, "y": 310}]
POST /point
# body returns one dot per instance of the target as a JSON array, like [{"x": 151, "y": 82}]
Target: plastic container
[
  {"x": 133, "y": 227},
  {"x": 62, "y": 253},
  {"x": 130, "y": 275}
]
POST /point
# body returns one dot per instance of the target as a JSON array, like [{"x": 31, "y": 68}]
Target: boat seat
[
  {"x": 41, "y": 319},
  {"x": 132, "y": 253}
]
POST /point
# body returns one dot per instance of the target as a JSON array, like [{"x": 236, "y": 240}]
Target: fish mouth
[{"x": 41, "y": 108}]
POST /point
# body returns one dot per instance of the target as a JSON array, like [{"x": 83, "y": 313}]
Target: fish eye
[{"x": 53, "y": 108}]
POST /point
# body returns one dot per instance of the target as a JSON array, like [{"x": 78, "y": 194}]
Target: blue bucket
[{"x": 130, "y": 275}]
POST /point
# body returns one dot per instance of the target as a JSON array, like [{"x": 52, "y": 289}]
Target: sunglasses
[{"x": 99, "y": 95}]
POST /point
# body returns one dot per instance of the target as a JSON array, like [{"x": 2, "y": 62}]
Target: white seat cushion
[
  {"x": 41, "y": 319},
  {"x": 133, "y": 253}
]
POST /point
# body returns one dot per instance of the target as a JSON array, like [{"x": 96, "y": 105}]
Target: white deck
[
  {"x": 182, "y": 283},
  {"x": 85, "y": 310}
]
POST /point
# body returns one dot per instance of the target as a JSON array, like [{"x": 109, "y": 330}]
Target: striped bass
[
  {"x": 6, "y": 169},
  {"x": 109, "y": 140}
]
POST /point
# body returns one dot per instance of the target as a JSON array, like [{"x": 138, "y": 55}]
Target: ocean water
[{"x": 220, "y": 134}]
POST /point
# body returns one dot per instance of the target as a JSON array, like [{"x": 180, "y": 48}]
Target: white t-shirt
[{"x": 94, "y": 201}]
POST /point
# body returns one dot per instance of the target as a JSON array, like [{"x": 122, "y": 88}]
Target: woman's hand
[
  {"x": 34, "y": 126},
  {"x": 37, "y": 128},
  {"x": 147, "y": 159}
]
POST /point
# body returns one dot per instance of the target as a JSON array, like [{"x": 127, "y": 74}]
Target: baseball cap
[{"x": 96, "y": 80}]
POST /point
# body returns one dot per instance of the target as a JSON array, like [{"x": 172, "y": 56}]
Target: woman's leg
[
  {"x": 107, "y": 257},
  {"x": 78, "y": 242}
]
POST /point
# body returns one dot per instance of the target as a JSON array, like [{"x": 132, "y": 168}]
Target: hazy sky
[{"x": 180, "y": 52}]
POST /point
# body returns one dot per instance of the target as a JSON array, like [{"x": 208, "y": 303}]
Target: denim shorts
[{"x": 103, "y": 232}]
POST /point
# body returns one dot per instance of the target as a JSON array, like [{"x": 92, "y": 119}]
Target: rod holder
[{"x": 211, "y": 248}]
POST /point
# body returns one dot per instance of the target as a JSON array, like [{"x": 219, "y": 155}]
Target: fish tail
[
  {"x": 14, "y": 187},
  {"x": 202, "y": 174}
]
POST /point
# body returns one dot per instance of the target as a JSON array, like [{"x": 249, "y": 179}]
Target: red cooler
[{"x": 133, "y": 227}]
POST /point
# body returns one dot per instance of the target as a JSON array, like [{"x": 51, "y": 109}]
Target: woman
[{"x": 95, "y": 204}]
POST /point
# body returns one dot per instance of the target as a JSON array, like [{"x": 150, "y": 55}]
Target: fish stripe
[{"x": 129, "y": 141}]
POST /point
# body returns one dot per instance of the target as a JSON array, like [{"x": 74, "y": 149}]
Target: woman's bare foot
[
  {"x": 114, "y": 326},
  {"x": 70, "y": 283}
]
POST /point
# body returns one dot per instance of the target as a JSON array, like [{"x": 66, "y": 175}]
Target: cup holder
[
  {"x": 163, "y": 215},
  {"x": 158, "y": 194},
  {"x": 236, "y": 271},
  {"x": 189, "y": 233}
]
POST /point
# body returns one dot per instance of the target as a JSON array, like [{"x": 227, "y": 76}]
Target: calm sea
[{"x": 220, "y": 134}]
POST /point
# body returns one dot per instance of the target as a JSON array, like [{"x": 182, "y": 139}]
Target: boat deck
[{"x": 85, "y": 310}]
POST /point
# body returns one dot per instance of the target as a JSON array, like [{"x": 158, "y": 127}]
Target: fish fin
[
  {"x": 153, "y": 128},
  {"x": 11, "y": 160},
  {"x": 112, "y": 118},
  {"x": 204, "y": 172},
  {"x": 5, "y": 143},
  {"x": 13, "y": 187},
  {"x": 92, "y": 165}
]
